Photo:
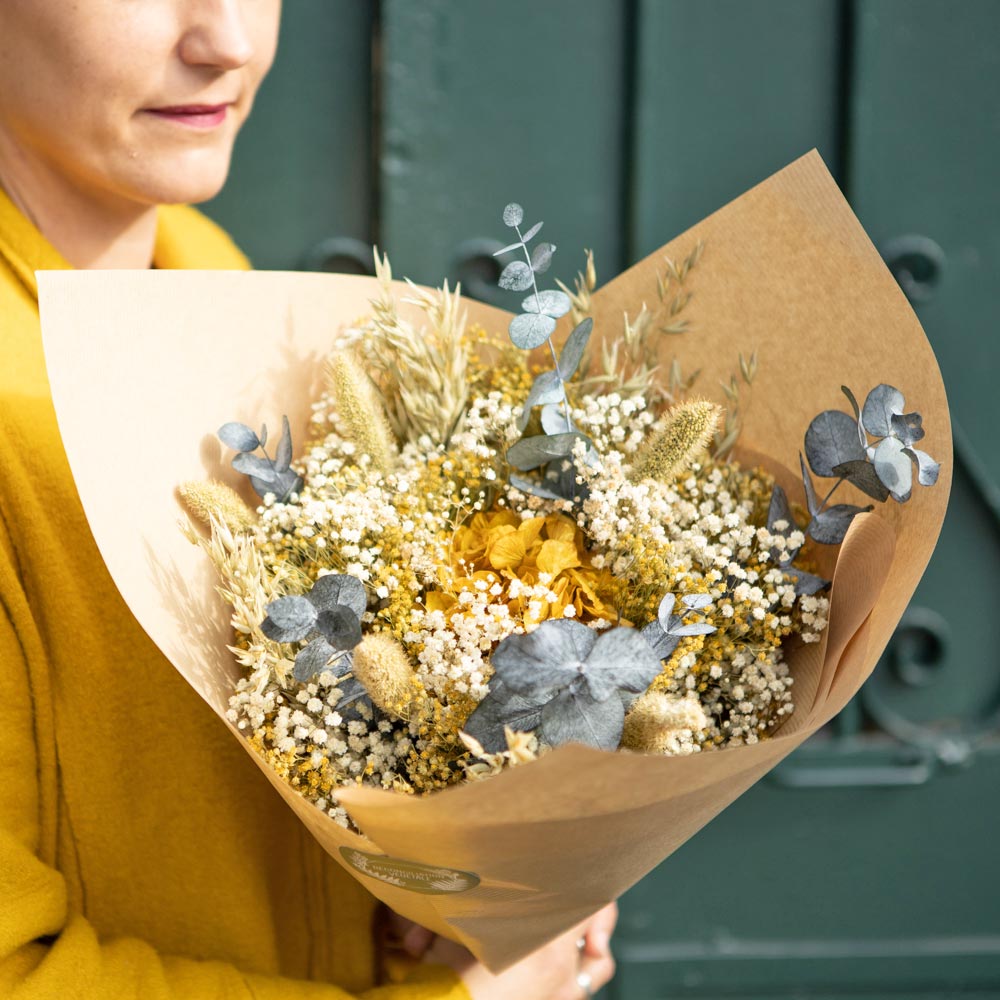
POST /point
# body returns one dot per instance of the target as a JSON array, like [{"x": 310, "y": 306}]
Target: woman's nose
[{"x": 217, "y": 35}]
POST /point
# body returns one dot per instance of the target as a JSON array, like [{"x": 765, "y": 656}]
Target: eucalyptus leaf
[
  {"x": 287, "y": 483},
  {"x": 531, "y": 330},
  {"x": 927, "y": 468},
  {"x": 513, "y": 215},
  {"x": 862, "y": 437},
  {"x": 573, "y": 350},
  {"x": 339, "y": 589},
  {"x": 620, "y": 659},
  {"x": 576, "y": 717},
  {"x": 882, "y": 402},
  {"x": 568, "y": 487},
  {"x": 831, "y": 440},
  {"x": 263, "y": 435},
  {"x": 341, "y": 627},
  {"x": 578, "y": 639},
  {"x": 531, "y": 452},
  {"x": 238, "y": 436},
  {"x": 289, "y": 619},
  {"x": 541, "y": 257},
  {"x": 779, "y": 510},
  {"x": 533, "y": 487},
  {"x": 555, "y": 420},
  {"x": 547, "y": 388},
  {"x": 665, "y": 612},
  {"x": 531, "y": 233},
  {"x": 487, "y": 721},
  {"x": 253, "y": 465},
  {"x": 697, "y": 601},
  {"x": 351, "y": 691},
  {"x": 283, "y": 455},
  {"x": 544, "y": 660},
  {"x": 281, "y": 485},
  {"x": 516, "y": 276},
  {"x": 550, "y": 302},
  {"x": 830, "y": 526},
  {"x": 507, "y": 249},
  {"x": 695, "y": 628},
  {"x": 852, "y": 399},
  {"x": 908, "y": 427},
  {"x": 812, "y": 501},
  {"x": 661, "y": 643},
  {"x": 861, "y": 473},
  {"x": 806, "y": 584},
  {"x": 894, "y": 468},
  {"x": 312, "y": 659},
  {"x": 261, "y": 488}
]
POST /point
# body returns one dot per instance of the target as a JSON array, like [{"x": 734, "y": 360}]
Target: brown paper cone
[{"x": 164, "y": 358}]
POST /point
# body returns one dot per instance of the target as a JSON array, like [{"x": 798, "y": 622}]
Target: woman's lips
[{"x": 193, "y": 115}]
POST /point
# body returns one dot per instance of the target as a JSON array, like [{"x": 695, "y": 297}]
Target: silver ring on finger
[{"x": 585, "y": 982}]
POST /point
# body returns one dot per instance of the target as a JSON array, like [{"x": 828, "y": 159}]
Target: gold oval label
[{"x": 409, "y": 874}]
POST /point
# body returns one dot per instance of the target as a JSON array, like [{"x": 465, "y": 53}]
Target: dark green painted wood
[
  {"x": 727, "y": 92},
  {"x": 925, "y": 144},
  {"x": 490, "y": 103},
  {"x": 925, "y": 138},
  {"x": 886, "y": 891},
  {"x": 303, "y": 163}
]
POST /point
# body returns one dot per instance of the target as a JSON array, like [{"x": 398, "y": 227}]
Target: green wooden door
[{"x": 621, "y": 123}]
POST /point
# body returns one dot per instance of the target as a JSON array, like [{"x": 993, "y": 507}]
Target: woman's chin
[{"x": 186, "y": 180}]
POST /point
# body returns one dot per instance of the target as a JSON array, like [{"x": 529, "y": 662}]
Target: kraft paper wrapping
[{"x": 159, "y": 360}]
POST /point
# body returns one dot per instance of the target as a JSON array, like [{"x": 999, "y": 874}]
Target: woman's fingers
[
  {"x": 417, "y": 940},
  {"x": 405, "y": 934},
  {"x": 598, "y": 930},
  {"x": 600, "y": 970}
]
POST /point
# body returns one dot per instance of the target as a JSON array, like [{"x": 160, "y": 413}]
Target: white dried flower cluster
[
  {"x": 613, "y": 421},
  {"x": 394, "y": 531}
]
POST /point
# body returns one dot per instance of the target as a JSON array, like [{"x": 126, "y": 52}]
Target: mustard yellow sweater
[{"x": 142, "y": 854}]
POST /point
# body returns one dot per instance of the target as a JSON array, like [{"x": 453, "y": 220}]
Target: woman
[{"x": 141, "y": 852}]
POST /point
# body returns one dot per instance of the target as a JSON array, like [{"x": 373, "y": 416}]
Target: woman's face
[{"x": 140, "y": 99}]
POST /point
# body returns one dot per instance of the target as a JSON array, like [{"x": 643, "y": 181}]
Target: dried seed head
[
  {"x": 687, "y": 432},
  {"x": 361, "y": 411},
  {"x": 210, "y": 498},
  {"x": 380, "y": 663},
  {"x": 656, "y": 720}
]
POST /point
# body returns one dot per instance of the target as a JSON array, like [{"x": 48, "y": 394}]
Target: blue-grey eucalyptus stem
[{"x": 552, "y": 350}]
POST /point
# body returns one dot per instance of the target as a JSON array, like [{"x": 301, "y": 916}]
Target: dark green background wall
[{"x": 867, "y": 865}]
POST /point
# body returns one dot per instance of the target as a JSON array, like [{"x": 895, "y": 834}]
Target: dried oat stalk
[
  {"x": 738, "y": 403},
  {"x": 420, "y": 373},
  {"x": 631, "y": 362}
]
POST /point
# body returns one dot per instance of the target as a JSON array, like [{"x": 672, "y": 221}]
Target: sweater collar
[{"x": 26, "y": 250}]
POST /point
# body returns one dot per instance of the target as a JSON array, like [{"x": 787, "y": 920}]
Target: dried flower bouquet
[
  {"x": 480, "y": 557},
  {"x": 497, "y": 552}
]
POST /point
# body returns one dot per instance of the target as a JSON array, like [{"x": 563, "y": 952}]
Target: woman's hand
[{"x": 565, "y": 969}]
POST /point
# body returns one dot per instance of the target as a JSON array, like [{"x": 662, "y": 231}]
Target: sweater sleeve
[{"x": 47, "y": 951}]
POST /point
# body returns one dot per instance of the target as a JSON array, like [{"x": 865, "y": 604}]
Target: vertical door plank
[
  {"x": 727, "y": 92},
  {"x": 489, "y": 103},
  {"x": 302, "y": 166},
  {"x": 924, "y": 161}
]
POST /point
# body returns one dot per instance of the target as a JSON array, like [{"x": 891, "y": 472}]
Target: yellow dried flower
[
  {"x": 687, "y": 432},
  {"x": 362, "y": 412},
  {"x": 380, "y": 663},
  {"x": 209, "y": 498},
  {"x": 497, "y": 549},
  {"x": 656, "y": 720}
]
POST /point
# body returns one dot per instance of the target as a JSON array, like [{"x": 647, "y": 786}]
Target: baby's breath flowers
[{"x": 475, "y": 559}]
